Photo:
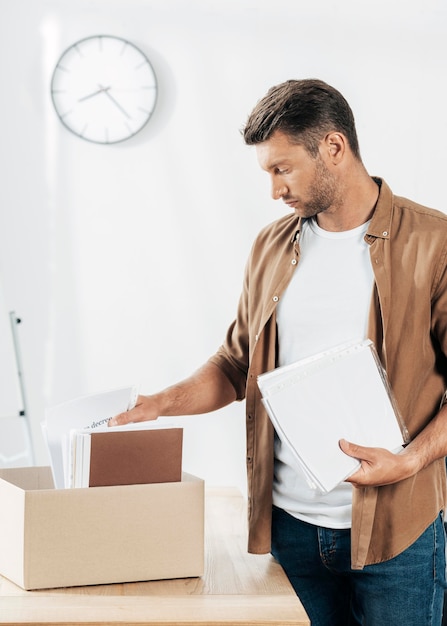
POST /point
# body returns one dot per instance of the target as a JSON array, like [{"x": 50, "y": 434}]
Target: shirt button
[
  {"x": 385, "y": 233},
  {"x": 275, "y": 298}
]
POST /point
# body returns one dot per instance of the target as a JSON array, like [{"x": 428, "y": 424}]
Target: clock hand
[
  {"x": 95, "y": 93},
  {"x": 115, "y": 102}
]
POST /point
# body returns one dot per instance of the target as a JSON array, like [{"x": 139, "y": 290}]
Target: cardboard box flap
[{"x": 28, "y": 478}]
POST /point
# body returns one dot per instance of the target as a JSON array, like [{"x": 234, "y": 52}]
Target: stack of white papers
[
  {"x": 87, "y": 412},
  {"x": 339, "y": 394}
]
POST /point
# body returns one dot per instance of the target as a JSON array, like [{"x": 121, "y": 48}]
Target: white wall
[{"x": 125, "y": 261}]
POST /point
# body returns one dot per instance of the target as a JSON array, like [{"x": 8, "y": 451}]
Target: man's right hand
[{"x": 145, "y": 409}]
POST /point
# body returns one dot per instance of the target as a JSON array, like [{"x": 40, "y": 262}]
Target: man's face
[{"x": 302, "y": 182}]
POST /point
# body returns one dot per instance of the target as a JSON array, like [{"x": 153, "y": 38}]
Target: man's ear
[{"x": 334, "y": 146}]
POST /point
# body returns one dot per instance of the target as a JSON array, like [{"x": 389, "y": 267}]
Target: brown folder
[{"x": 131, "y": 457}]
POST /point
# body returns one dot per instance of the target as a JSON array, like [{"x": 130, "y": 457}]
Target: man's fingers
[
  {"x": 351, "y": 449},
  {"x": 144, "y": 410},
  {"x": 120, "y": 420}
]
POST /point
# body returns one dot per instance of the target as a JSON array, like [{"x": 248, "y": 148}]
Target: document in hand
[
  {"x": 127, "y": 455},
  {"x": 339, "y": 394},
  {"x": 90, "y": 411}
]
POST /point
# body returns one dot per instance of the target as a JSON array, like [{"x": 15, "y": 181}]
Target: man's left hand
[{"x": 378, "y": 466}]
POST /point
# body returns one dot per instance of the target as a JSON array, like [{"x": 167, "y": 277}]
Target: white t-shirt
[{"x": 326, "y": 304}]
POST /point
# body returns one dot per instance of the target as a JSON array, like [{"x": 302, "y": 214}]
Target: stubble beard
[{"x": 323, "y": 192}]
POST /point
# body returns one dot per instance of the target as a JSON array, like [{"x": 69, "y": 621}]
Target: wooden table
[{"x": 237, "y": 588}]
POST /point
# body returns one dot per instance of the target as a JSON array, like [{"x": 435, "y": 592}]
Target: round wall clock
[{"x": 104, "y": 89}]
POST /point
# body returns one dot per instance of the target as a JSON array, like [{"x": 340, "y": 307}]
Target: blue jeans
[{"x": 406, "y": 590}]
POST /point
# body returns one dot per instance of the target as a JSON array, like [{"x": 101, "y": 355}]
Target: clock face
[{"x": 104, "y": 89}]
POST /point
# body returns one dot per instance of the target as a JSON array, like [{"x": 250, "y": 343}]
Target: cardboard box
[{"x": 99, "y": 535}]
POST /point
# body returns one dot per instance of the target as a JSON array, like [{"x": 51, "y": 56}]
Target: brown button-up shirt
[{"x": 408, "y": 325}]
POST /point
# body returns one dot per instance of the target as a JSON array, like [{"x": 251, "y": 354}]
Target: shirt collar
[{"x": 380, "y": 224}]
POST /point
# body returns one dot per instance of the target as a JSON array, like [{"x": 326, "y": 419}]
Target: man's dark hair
[{"x": 304, "y": 110}]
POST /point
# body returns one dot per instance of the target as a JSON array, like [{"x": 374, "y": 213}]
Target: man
[{"x": 350, "y": 261}]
